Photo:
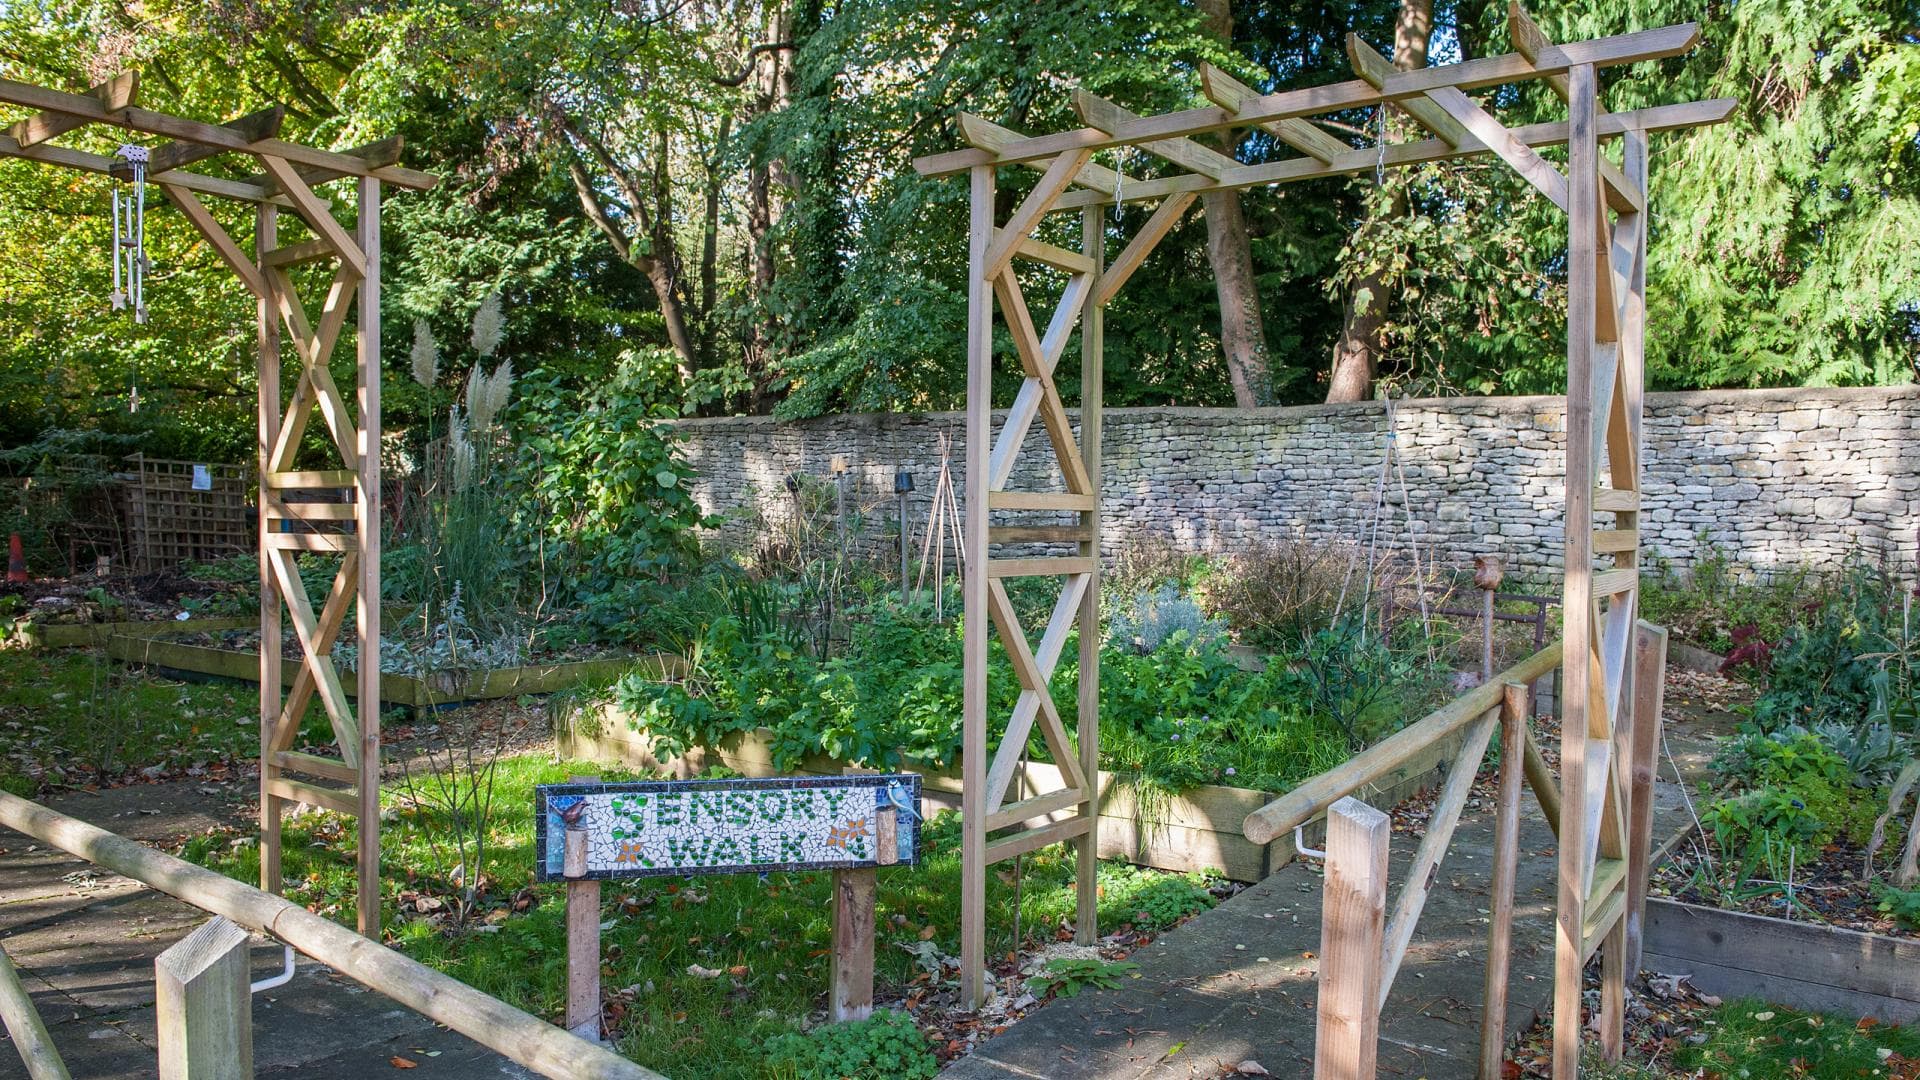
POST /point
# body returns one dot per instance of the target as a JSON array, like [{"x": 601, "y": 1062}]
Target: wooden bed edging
[
  {"x": 1199, "y": 829},
  {"x": 423, "y": 693},
  {"x": 1795, "y": 964},
  {"x": 492, "y": 1023},
  {"x": 77, "y": 635}
]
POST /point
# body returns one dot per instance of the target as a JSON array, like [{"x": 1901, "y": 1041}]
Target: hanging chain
[{"x": 1380, "y": 142}]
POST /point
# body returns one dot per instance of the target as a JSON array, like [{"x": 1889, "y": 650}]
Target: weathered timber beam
[
  {"x": 380, "y": 156},
  {"x": 115, "y": 94},
  {"x": 1612, "y": 125},
  {"x": 1530, "y": 41},
  {"x": 92, "y": 110},
  {"x": 1355, "y": 94},
  {"x": 989, "y": 136},
  {"x": 1233, "y": 95},
  {"x": 1376, "y": 70},
  {"x": 1098, "y": 112},
  {"x": 98, "y": 163},
  {"x": 264, "y": 124}
]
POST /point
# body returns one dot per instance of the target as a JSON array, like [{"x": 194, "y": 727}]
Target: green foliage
[
  {"x": 884, "y": 1046},
  {"x": 1066, "y": 976},
  {"x": 604, "y": 483},
  {"x": 1798, "y": 794},
  {"x": 1185, "y": 714},
  {"x": 1901, "y": 904},
  {"x": 1830, "y": 666}
]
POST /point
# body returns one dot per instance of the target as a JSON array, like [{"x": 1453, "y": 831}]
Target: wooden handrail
[
  {"x": 492, "y": 1023},
  {"x": 1304, "y": 803}
]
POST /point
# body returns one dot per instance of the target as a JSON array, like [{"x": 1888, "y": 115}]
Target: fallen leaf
[
  {"x": 1251, "y": 1067},
  {"x": 402, "y": 1063}
]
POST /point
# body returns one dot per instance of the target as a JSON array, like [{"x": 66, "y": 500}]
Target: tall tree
[
  {"x": 1243, "y": 334},
  {"x": 1356, "y": 356}
]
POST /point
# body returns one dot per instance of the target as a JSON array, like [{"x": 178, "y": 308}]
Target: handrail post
[
  {"x": 24, "y": 1025},
  {"x": 203, "y": 1005},
  {"x": 1506, "y": 871},
  {"x": 1352, "y": 929},
  {"x": 1649, "y": 694}
]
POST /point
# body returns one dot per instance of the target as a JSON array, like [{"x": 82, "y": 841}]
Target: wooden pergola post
[
  {"x": 299, "y": 510},
  {"x": 1607, "y": 237}
]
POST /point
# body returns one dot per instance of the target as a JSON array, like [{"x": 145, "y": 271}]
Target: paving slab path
[
  {"x": 1237, "y": 983},
  {"x": 85, "y": 940}
]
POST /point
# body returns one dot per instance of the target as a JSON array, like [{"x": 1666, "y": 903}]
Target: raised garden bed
[
  {"x": 45, "y": 635},
  {"x": 1800, "y": 965},
  {"x": 1199, "y": 829},
  {"x": 431, "y": 691}
]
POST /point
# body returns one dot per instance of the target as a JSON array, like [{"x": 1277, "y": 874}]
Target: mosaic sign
[{"x": 685, "y": 827}]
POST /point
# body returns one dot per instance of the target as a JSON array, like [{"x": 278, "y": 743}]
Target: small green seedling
[{"x": 1067, "y": 976}]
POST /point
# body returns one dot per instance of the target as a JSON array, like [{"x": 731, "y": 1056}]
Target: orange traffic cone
[{"x": 16, "y": 561}]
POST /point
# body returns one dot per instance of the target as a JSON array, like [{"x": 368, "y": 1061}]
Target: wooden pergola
[
  {"x": 296, "y": 507},
  {"x": 1606, "y": 205}
]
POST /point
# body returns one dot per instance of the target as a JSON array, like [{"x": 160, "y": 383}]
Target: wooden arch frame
[
  {"x": 1606, "y": 206},
  {"x": 297, "y": 509}
]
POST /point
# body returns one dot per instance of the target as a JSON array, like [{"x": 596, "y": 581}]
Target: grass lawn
[
  {"x": 1748, "y": 1040},
  {"x": 72, "y": 716},
  {"x": 767, "y": 938}
]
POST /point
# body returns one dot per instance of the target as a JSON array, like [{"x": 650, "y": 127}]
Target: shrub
[
  {"x": 1278, "y": 593},
  {"x": 885, "y": 1046},
  {"x": 1800, "y": 796},
  {"x": 1830, "y": 666},
  {"x": 1165, "y": 615}
]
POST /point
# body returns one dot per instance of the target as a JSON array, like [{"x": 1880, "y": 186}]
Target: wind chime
[{"x": 130, "y": 264}]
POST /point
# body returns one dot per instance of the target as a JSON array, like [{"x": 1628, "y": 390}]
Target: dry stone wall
[{"x": 1776, "y": 477}]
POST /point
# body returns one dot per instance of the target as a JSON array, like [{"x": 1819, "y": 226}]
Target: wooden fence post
[
  {"x": 23, "y": 1024},
  {"x": 583, "y": 934},
  {"x": 1649, "y": 693},
  {"x": 1506, "y": 870},
  {"x": 203, "y": 1005},
  {"x": 1352, "y": 931}
]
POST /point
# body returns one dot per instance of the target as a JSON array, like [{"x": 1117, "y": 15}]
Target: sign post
[
  {"x": 587, "y": 832},
  {"x": 583, "y": 929}
]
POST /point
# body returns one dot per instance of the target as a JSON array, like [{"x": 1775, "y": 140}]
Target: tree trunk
[
  {"x": 1243, "y": 335},
  {"x": 1356, "y": 356}
]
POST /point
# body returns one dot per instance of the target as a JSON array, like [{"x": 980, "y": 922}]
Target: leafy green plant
[
  {"x": 1798, "y": 795},
  {"x": 1902, "y": 904},
  {"x": 1066, "y": 976},
  {"x": 885, "y": 1046}
]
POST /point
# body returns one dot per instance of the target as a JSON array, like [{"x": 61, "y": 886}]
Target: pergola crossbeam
[
  {"x": 1611, "y": 125},
  {"x": 1631, "y": 48},
  {"x": 86, "y": 108},
  {"x": 49, "y": 154},
  {"x": 255, "y": 126},
  {"x": 991, "y": 137},
  {"x": 1098, "y": 112},
  {"x": 1376, "y": 70},
  {"x": 1232, "y": 95},
  {"x": 115, "y": 94},
  {"x": 1530, "y": 41}
]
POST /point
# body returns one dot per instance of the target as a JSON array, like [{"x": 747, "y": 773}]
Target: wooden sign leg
[
  {"x": 851, "y": 995},
  {"x": 583, "y": 941}
]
